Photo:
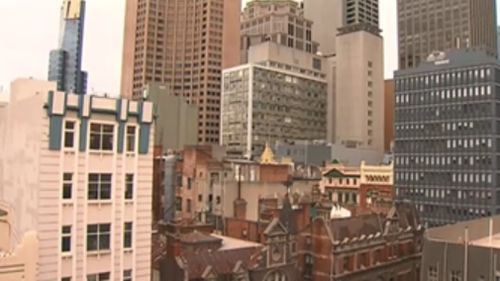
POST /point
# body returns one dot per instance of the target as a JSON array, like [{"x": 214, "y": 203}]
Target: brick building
[
  {"x": 365, "y": 247},
  {"x": 200, "y": 255}
]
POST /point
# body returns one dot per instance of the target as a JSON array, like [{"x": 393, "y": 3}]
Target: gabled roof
[
  {"x": 356, "y": 226},
  {"x": 275, "y": 228},
  {"x": 337, "y": 173}
]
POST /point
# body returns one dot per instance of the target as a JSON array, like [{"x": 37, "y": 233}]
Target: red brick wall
[
  {"x": 274, "y": 173},
  {"x": 235, "y": 228}
]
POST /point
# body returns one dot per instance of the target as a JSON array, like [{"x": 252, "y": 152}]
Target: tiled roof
[
  {"x": 356, "y": 226},
  {"x": 220, "y": 262},
  {"x": 198, "y": 237}
]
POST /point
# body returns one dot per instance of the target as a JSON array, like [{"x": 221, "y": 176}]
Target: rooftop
[{"x": 229, "y": 243}]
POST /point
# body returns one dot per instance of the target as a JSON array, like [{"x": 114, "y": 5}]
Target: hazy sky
[{"x": 29, "y": 30}]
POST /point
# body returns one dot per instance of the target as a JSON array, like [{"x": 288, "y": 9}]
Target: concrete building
[
  {"x": 359, "y": 84},
  {"x": 176, "y": 120},
  {"x": 184, "y": 45},
  {"x": 327, "y": 18},
  {"x": 77, "y": 170},
  {"x": 281, "y": 94},
  {"x": 366, "y": 247},
  {"x": 279, "y": 21},
  {"x": 20, "y": 264},
  {"x": 462, "y": 251},
  {"x": 425, "y": 26},
  {"x": 304, "y": 153},
  {"x": 446, "y": 141},
  {"x": 498, "y": 40},
  {"x": 389, "y": 99},
  {"x": 65, "y": 64}
]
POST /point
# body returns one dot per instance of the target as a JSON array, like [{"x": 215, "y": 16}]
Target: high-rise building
[
  {"x": 446, "y": 136},
  {"x": 183, "y": 44},
  {"x": 65, "y": 65},
  {"x": 425, "y": 26},
  {"x": 359, "y": 83},
  {"x": 388, "y": 114},
  {"x": 327, "y": 18},
  {"x": 279, "y": 95},
  {"x": 278, "y": 21},
  {"x": 77, "y": 170}
]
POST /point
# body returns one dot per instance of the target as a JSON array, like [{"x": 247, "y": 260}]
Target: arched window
[{"x": 276, "y": 276}]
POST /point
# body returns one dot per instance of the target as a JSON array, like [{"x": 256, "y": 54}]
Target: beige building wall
[
  {"x": 21, "y": 264},
  {"x": 184, "y": 44},
  {"x": 32, "y": 181},
  {"x": 327, "y": 18},
  {"x": 359, "y": 107}
]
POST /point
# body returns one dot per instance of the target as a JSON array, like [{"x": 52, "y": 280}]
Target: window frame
[
  {"x": 101, "y": 133},
  {"x": 128, "y": 228},
  {"x": 65, "y": 236},
  {"x": 71, "y": 131},
  {"x": 67, "y": 183},
  {"x": 100, "y": 184},
  {"x": 127, "y": 275},
  {"x": 99, "y": 276},
  {"x": 129, "y": 187},
  {"x": 100, "y": 236},
  {"x": 131, "y": 136}
]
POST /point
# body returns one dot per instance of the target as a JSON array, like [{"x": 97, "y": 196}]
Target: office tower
[
  {"x": 388, "y": 114},
  {"x": 446, "y": 142},
  {"x": 279, "y": 21},
  {"x": 425, "y": 26},
  {"x": 65, "y": 65},
  {"x": 498, "y": 40},
  {"x": 359, "y": 83},
  {"x": 77, "y": 170},
  {"x": 184, "y": 44},
  {"x": 279, "y": 95},
  {"x": 327, "y": 18}
]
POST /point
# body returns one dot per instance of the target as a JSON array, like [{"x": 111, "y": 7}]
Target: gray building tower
[
  {"x": 65, "y": 65},
  {"x": 447, "y": 136},
  {"x": 425, "y": 26}
]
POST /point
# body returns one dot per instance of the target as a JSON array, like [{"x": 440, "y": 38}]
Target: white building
[{"x": 78, "y": 171}]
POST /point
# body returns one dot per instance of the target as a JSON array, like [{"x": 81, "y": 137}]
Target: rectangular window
[
  {"x": 101, "y": 137},
  {"x": 130, "y": 138},
  {"x": 456, "y": 275},
  {"x": 99, "y": 187},
  {"x": 188, "y": 205},
  {"x": 66, "y": 279},
  {"x": 98, "y": 236},
  {"x": 66, "y": 239},
  {"x": 67, "y": 186},
  {"x": 98, "y": 277},
  {"x": 129, "y": 186},
  {"x": 127, "y": 235},
  {"x": 127, "y": 275},
  {"x": 178, "y": 204},
  {"x": 69, "y": 134}
]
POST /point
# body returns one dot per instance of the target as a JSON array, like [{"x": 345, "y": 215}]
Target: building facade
[
  {"x": 326, "y": 16},
  {"x": 273, "y": 99},
  {"x": 281, "y": 22},
  {"x": 463, "y": 251},
  {"x": 446, "y": 146},
  {"x": 65, "y": 64},
  {"x": 359, "y": 82},
  {"x": 389, "y": 98},
  {"x": 184, "y": 45},
  {"x": 425, "y": 26},
  {"x": 88, "y": 190},
  {"x": 366, "y": 247}
]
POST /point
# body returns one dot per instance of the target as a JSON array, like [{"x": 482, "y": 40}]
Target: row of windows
[
  {"x": 442, "y": 79},
  {"x": 455, "y": 177},
  {"x": 98, "y": 237},
  {"x": 101, "y": 136},
  {"x": 99, "y": 186},
  {"x": 104, "y": 276},
  {"x": 444, "y": 95}
]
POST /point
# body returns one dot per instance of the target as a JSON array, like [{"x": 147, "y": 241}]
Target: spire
[{"x": 267, "y": 156}]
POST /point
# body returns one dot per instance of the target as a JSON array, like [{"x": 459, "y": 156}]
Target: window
[
  {"x": 67, "y": 186},
  {"x": 69, "y": 134},
  {"x": 178, "y": 204},
  {"x": 101, "y": 137},
  {"x": 432, "y": 274},
  {"x": 188, "y": 205},
  {"x": 66, "y": 239},
  {"x": 127, "y": 235},
  {"x": 66, "y": 279},
  {"x": 98, "y": 277},
  {"x": 99, "y": 186},
  {"x": 130, "y": 138},
  {"x": 456, "y": 275},
  {"x": 127, "y": 275},
  {"x": 129, "y": 186},
  {"x": 98, "y": 236}
]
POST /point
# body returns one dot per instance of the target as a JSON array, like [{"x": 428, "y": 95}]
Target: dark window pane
[
  {"x": 92, "y": 242},
  {"x": 104, "y": 242},
  {"x": 67, "y": 191}
]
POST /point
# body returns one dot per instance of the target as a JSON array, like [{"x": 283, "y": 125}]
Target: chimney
[{"x": 240, "y": 209}]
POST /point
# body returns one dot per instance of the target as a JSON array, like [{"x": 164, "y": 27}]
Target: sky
[{"x": 29, "y": 29}]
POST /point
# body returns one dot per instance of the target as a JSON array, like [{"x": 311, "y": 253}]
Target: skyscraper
[
  {"x": 65, "y": 65},
  {"x": 359, "y": 81},
  {"x": 426, "y": 26},
  {"x": 447, "y": 136},
  {"x": 183, "y": 44},
  {"x": 279, "y": 21}
]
